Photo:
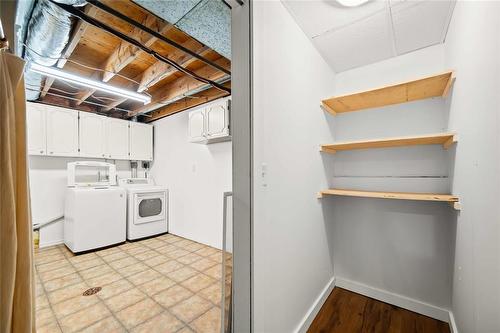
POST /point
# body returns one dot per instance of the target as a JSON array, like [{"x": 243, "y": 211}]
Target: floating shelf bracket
[
  {"x": 450, "y": 141},
  {"x": 455, "y": 205},
  {"x": 327, "y": 109}
]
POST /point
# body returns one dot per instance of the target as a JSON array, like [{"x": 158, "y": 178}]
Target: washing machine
[
  {"x": 147, "y": 207},
  {"x": 95, "y": 208}
]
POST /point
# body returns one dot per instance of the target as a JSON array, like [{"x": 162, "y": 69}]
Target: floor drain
[{"x": 92, "y": 291}]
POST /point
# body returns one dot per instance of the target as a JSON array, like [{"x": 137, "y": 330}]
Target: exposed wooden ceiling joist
[
  {"x": 187, "y": 103},
  {"x": 160, "y": 71},
  {"x": 183, "y": 85},
  {"x": 98, "y": 47},
  {"x": 125, "y": 53}
]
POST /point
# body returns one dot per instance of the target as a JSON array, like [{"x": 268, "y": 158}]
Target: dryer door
[{"x": 149, "y": 207}]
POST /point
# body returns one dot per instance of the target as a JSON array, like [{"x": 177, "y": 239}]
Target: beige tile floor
[{"x": 161, "y": 284}]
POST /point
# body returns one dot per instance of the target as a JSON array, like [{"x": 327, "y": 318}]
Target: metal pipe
[
  {"x": 75, "y": 12},
  {"x": 187, "y": 94},
  {"x": 37, "y": 226},
  {"x": 142, "y": 27},
  {"x": 133, "y": 168}
]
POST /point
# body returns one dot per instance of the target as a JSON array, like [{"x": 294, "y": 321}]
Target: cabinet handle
[
  {"x": 52, "y": 152},
  {"x": 41, "y": 151}
]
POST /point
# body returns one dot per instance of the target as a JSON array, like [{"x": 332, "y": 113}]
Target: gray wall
[
  {"x": 473, "y": 49},
  {"x": 401, "y": 247},
  {"x": 292, "y": 238}
]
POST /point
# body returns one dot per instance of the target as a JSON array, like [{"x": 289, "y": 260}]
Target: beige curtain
[{"x": 16, "y": 247}]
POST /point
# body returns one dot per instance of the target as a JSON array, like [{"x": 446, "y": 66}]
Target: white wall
[
  {"x": 48, "y": 179},
  {"x": 292, "y": 238},
  {"x": 401, "y": 247},
  {"x": 473, "y": 49},
  {"x": 196, "y": 175}
]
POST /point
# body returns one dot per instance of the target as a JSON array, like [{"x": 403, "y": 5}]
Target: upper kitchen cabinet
[
  {"x": 117, "y": 142},
  {"x": 37, "y": 129},
  {"x": 56, "y": 131},
  {"x": 197, "y": 125},
  {"x": 140, "y": 141},
  {"x": 62, "y": 132},
  {"x": 210, "y": 124},
  {"x": 217, "y": 118},
  {"x": 92, "y": 135}
]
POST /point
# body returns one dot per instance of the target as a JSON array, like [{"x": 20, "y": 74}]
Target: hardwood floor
[{"x": 348, "y": 312}]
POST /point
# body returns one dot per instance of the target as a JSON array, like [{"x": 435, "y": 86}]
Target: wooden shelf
[
  {"x": 451, "y": 199},
  {"x": 427, "y": 87},
  {"x": 445, "y": 139}
]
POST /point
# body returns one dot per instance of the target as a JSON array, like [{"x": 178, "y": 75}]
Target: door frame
[{"x": 242, "y": 137}]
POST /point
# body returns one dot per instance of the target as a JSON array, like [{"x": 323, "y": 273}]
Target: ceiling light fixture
[
  {"x": 76, "y": 79},
  {"x": 352, "y": 3}
]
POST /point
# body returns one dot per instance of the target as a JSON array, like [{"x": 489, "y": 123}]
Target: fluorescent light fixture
[
  {"x": 352, "y": 3},
  {"x": 76, "y": 79}
]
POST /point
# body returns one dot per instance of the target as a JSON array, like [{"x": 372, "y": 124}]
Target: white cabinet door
[
  {"x": 141, "y": 142},
  {"x": 62, "y": 132},
  {"x": 117, "y": 139},
  {"x": 91, "y": 130},
  {"x": 217, "y": 117},
  {"x": 197, "y": 125},
  {"x": 36, "y": 127}
]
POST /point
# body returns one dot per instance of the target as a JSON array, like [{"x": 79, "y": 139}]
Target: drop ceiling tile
[
  {"x": 318, "y": 16},
  {"x": 411, "y": 31},
  {"x": 365, "y": 42},
  {"x": 171, "y": 11},
  {"x": 210, "y": 23}
]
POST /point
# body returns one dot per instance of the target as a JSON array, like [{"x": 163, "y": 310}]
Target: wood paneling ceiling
[{"x": 97, "y": 54}]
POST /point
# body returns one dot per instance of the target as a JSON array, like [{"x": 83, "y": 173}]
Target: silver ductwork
[{"x": 48, "y": 33}]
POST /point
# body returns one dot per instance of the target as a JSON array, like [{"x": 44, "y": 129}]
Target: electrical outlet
[{"x": 263, "y": 174}]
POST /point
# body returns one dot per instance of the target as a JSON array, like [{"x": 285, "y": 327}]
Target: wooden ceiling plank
[
  {"x": 113, "y": 104},
  {"x": 183, "y": 85},
  {"x": 119, "y": 100},
  {"x": 47, "y": 84},
  {"x": 83, "y": 95},
  {"x": 160, "y": 70},
  {"x": 64, "y": 102},
  {"x": 125, "y": 52},
  {"x": 202, "y": 98},
  {"x": 78, "y": 32}
]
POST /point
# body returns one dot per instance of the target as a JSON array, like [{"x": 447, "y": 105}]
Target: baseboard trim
[
  {"x": 395, "y": 299},
  {"x": 453, "y": 324},
  {"x": 313, "y": 311},
  {"x": 51, "y": 243}
]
